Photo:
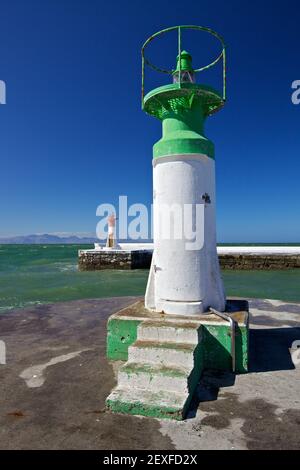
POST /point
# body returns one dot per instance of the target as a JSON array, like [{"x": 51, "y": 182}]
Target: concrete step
[
  {"x": 162, "y": 353},
  {"x": 154, "y": 377},
  {"x": 170, "y": 331},
  {"x": 148, "y": 403}
]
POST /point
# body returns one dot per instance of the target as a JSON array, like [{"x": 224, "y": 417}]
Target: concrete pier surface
[{"x": 56, "y": 379}]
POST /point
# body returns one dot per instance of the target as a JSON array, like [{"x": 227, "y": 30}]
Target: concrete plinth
[{"x": 166, "y": 355}]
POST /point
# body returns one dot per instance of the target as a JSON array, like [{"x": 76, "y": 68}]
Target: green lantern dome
[
  {"x": 184, "y": 62},
  {"x": 184, "y": 72}
]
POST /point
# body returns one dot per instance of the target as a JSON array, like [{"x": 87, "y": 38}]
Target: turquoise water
[{"x": 33, "y": 274}]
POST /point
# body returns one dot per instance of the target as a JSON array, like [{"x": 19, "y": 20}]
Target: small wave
[
  {"x": 6, "y": 308},
  {"x": 62, "y": 267}
]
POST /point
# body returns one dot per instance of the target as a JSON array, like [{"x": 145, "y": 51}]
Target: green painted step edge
[
  {"x": 185, "y": 347},
  {"x": 153, "y": 411},
  {"x": 137, "y": 368},
  {"x": 150, "y": 410}
]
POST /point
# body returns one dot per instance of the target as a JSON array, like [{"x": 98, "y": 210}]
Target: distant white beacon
[{"x": 111, "y": 240}]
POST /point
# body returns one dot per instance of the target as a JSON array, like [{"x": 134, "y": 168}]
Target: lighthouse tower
[
  {"x": 168, "y": 341},
  {"x": 185, "y": 277}
]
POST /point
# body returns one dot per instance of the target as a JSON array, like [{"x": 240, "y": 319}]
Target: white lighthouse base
[
  {"x": 152, "y": 302},
  {"x": 179, "y": 308},
  {"x": 185, "y": 275}
]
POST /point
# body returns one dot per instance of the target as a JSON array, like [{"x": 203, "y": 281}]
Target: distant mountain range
[{"x": 47, "y": 239}]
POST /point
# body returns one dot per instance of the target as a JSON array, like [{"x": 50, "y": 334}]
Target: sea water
[{"x": 38, "y": 274}]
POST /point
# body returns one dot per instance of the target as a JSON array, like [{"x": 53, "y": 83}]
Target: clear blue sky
[{"x": 72, "y": 134}]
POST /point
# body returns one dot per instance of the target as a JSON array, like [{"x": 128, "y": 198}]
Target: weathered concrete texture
[
  {"x": 123, "y": 326},
  {"x": 261, "y": 261},
  {"x": 163, "y": 369},
  {"x": 259, "y": 410},
  {"x": 65, "y": 409},
  {"x": 91, "y": 260},
  {"x": 166, "y": 347}
]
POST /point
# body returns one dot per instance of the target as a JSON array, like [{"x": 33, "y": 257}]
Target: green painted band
[{"x": 175, "y": 146}]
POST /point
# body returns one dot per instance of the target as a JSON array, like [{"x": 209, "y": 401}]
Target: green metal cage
[{"x": 145, "y": 61}]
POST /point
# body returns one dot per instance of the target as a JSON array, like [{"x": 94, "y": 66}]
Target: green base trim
[
  {"x": 217, "y": 348},
  {"x": 120, "y": 335},
  {"x": 196, "y": 373}
]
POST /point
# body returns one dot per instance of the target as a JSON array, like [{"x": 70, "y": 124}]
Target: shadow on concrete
[
  {"x": 262, "y": 426},
  {"x": 208, "y": 388},
  {"x": 269, "y": 349}
]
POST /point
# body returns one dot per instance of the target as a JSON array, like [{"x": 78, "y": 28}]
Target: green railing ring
[{"x": 170, "y": 72}]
